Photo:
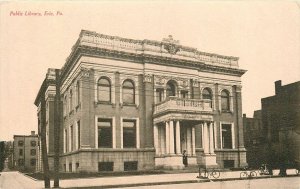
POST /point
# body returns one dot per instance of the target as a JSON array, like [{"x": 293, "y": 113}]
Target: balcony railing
[{"x": 180, "y": 104}]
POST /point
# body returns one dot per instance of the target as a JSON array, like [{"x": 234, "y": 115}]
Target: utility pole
[
  {"x": 43, "y": 141},
  {"x": 57, "y": 125}
]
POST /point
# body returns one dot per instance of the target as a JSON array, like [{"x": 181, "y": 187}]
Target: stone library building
[{"x": 143, "y": 104}]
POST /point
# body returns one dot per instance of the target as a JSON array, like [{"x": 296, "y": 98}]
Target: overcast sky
[{"x": 264, "y": 34}]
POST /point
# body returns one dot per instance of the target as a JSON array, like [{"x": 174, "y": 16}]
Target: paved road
[
  {"x": 269, "y": 183},
  {"x": 16, "y": 180}
]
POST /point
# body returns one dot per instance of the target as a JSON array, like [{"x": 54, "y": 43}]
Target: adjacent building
[
  {"x": 140, "y": 104},
  {"x": 281, "y": 120},
  {"x": 26, "y": 152},
  {"x": 255, "y": 140}
]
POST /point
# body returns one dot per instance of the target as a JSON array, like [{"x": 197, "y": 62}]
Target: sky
[{"x": 265, "y": 35}]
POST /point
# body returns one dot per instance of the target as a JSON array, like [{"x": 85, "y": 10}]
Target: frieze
[{"x": 181, "y": 116}]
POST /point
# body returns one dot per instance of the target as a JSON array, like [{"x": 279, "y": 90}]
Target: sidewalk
[
  {"x": 160, "y": 179},
  {"x": 10, "y": 180}
]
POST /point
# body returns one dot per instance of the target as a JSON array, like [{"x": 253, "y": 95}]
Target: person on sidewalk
[{"x": 184, "y": 158}]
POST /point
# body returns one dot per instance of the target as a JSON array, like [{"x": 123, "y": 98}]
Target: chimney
[
  {"x": 32, "y": 133},
  {"x": 277, "y": 86}
]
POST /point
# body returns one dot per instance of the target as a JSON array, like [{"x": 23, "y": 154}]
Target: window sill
[
  {"x": 129, "y": 105},
  {"x": 226, "y": 111},
  {"x": 105, "y": 103}
]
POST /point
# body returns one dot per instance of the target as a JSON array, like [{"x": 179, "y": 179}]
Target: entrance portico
[{"x": 175, "y": 132}]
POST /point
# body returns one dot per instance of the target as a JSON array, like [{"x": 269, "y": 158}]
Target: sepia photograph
[{"x": 150, "y": 94}]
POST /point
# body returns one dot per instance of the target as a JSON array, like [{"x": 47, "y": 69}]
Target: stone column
[
  {"x": 155, "y": 136},
  {"x": 211, "y": 139},
  {"x": 167, "y": 138},
  {"x": 193, "y": 141},
  {"x": 189, "y": 140},
  {"x": 205, "y": 139},
  {"x": 172, "y": 138},
  {"x": 162, "y": 140},
  {"x": 165, "y": 94},
  {"x": 178, "y": 150}
]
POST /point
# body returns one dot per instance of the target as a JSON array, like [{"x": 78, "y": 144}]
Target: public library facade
[{"x": 139, "y": 104}]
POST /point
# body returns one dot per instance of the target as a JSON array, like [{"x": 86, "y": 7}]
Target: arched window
[
  {"x": 104, "y": 90},
  {"x": 128, "y": 92},
  {"x": 206, "y": 94},
  {"x": 171, "y": 89},
  {"x": 225, "y": 100}
]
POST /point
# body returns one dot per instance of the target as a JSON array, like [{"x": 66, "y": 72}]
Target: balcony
[{"x": 180, "y": 105}]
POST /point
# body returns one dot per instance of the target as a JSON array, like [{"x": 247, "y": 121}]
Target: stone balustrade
[
  {"x": 151, "y": 47},
  {"x": 180, "y": 104}
]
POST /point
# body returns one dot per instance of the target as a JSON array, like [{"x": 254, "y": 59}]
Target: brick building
[
  {"x": 255, "y": 140},
  {"x": 281, "y": 120},
  {"x": 26, "y": 152},
  {"x": 139, "y": 104}
]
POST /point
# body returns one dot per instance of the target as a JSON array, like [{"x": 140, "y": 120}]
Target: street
[{"x": 270, "y": 183}]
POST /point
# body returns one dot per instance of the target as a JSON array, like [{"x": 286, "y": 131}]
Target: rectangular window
[
  {"x": 105, "y": 166},
  {"x": 129, "y": 133},
  {"x": 184, "y": 94},
  {"x": 33, "y": 152},
  {"x": 228, "y": 163},
  {"x": 33, "y": 143},
  {"x": 77, "y": 166},
  {"x": 70, "y": 167},
  {"x": 71, "y": 137},
  {"x": 226, "y": 136},
  {"x": 104, "y": 133},
  {"x": 78, "y": 134},
  {"x": 65, "y": 168},
  {"x": 159, "y": 95},
  {"x": 32, "y": 162},
  {"x": 130, "y": 166},
  {"x": 20, "y": 152},
  {"x": 66, "y": 140},
  {"x": 20, "y": 143}
]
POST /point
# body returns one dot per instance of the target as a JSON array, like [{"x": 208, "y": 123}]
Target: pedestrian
[{"x": 184, "y": 157}]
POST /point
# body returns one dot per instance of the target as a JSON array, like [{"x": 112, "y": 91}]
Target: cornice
[{"x": 83, "y": 50}]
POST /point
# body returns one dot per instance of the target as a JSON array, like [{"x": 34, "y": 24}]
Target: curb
[{"x": 176, "y": 182}]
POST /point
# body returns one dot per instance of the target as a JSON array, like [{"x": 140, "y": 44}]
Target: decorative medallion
[{"x": 171, "y": 45}]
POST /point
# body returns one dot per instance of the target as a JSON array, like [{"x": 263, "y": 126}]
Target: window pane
[
  {"x": 159, "y": 95},
  {"x": 226, "y": 136},
  {"x": 104, "y": 137},
  {"x": 104, "y": 90},
  {"x": 104, "y": 93},
  {"x": 128, "y": 96},
  {"x": 104, "y": 123},
  {"x": 104, "y": 81},
  {"x": 170, "y": 89},
  {"x": 129, "y": 134},
  {"x": 224, "y": 100},
  {"x": 104, "y": 133},
  {"x": 128, "y": 84}
]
